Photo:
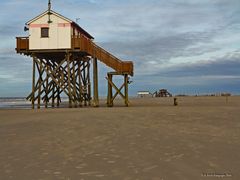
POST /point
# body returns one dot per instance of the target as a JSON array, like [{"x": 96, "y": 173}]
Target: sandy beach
[{"x": 150, "y": 140}]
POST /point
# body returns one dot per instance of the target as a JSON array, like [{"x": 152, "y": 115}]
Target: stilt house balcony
[{"x": 22, "y": 44}]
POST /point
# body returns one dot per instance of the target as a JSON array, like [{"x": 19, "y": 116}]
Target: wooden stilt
[
  {"x": 84, "y": 84},
  {"x": 74, "y": 85},
  {"x": 47, "y": 88},
  {"x": 53, "y": 96},
  {"x": 126, "y": 88},
  {"x": 88, "y": 84},
  {"x": 95, "y": 82},
  {"x": 58, "y": 97},
  {"x": 39, "y": 87},
  {"x": 33, "y": 82},
  {"x": 69, "y": 80},
  {"x": 80, "y": 84},
  {"x": 110, "y": 102}
]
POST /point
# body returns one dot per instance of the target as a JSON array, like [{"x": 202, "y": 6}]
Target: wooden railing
[
  {"x": 22, "y": 43},
  {"x": 86, "y": 45}
]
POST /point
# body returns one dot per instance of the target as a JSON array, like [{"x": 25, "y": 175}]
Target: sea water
[
  {"x": 14, "y": 103},
  {"x": 22, "y": 103}
]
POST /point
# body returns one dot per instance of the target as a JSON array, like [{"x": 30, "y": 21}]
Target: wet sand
[{"x": 150, "y": 140}]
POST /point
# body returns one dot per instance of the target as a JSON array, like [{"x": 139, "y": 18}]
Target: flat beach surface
[{"x": 150, "y": 140}]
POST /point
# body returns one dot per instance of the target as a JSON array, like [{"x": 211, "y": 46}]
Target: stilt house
[{"x": 62, "y": 53}]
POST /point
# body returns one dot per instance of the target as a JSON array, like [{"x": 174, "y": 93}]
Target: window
[{"x": 44, "y": 32}]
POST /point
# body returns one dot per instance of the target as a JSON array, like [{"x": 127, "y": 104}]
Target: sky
[{"x": 185, "y": 46}]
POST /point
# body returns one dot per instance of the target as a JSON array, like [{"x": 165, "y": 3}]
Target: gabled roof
[
  {"x": 46, "y": 12},
  {"x": 62, "y": 17}
]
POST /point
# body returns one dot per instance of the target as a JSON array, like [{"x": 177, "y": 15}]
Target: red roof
[{"x": 82, "y": 30}]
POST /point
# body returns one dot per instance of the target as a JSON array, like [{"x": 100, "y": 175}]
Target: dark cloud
[
  {"x": 224, "y": 66},
  {"x": 219, "y": 75},
  {"x": 159, "y": 49},
  {"x": 153, "y": 33}
]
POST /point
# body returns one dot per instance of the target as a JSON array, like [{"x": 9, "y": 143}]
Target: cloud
[
  {"x": 218, "y": 75},
  {"x": 180, "y": 44},
  {"x": 160, "y": 49},
  {"x": 14, "y": 68},
  {"x": 222, "y": 67}
]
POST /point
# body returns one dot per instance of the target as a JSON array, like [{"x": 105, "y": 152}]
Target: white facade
[{"x": 60, "y": 31}]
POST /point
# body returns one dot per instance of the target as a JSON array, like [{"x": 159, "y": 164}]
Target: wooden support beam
[
  {"x": 47, "y": 87},
  {"x": 109, "y": 97},
  {"x": 39, "y": 87},
  {"x": 74, "y": 84},
  {"x": 40, "y": 79},
  {"x": 36, "y": 88},
  {"x": 80, "y": 84},
  {"x": 95, "y": 83},
  {"x": 69, "y": 81},
  {"x": 126, "y": 89},
  {"x": 118, "y": 91},
  {"x": 84, "y": 84},
  {"x": 58, "y": 97},
  {"x": 88, "y": 84},
  {"x": 46, "y": 96},
  {"x": 53, "y": 95},
  {"x": 33, "y": 82}
]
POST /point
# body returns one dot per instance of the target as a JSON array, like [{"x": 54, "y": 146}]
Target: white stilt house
[
  {"x": 62, "y": 52},
  {"x": 51, "y": 30}
]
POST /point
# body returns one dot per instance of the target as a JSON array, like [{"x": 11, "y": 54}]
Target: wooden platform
[{"x": 81, "y": 46}]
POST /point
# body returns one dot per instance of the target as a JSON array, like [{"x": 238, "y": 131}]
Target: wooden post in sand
[
  {"x": 69, "y": 80},
  {"x": 109, "y": 95},
  {"x": 95, "y": 83},
  {"x": 175, "y": 102},
  {"x": 126, "y": 89},
  {"x": 47, "y": 87},
  {"x": 33, "y": 82}
]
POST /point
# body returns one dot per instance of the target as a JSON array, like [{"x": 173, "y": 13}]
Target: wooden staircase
[{"x": 86, "y": 45}]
